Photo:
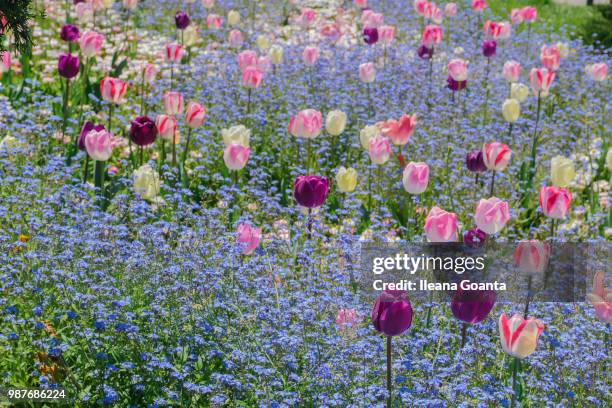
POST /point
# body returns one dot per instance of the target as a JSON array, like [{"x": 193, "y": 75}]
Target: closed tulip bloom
[
  {"x": 516, "y": 16},
  {"x": 248, "y": 238},
  {"x": 531, "y": 256},
  {"x": 433, "y": 13},
  {"x": 310, "y": 191},
  {"x": 420, "y": 6},
  {"x": 550, "y": 57},
  {"x": 379, "y": 149},
  {"x": 425, "y": 52},
  {"x": 5, "y": 61},
  {"x": 213, "y": 21},
  {"x": 335, "y": 122},
  {"x": 432, "y": 36},
  {"x": 512, "y": 71},
  {"x": 541, "y": 79},
  {"x": 99, "y": 145},
  {"x": 70, "y": 33},
  {"x": 346, "y": 179},
  {"x": 392, "y": 313},
  {"x": 489, "y": 48},
  {"x": 505, "y": 30},
  {"x": 91, "y": 43},
  {"x": 474, "y": 237},
  {"x": 146, "y": 182},
  {"x": 236, "y": 156},
  {"x": 310, "y": 55},
  {"x": 276, "y": 54},
  {"x": 458, "y": 69},
  {"x": 143, "y": 131},
  {"x": 166, "y": 127},
  {"x": 173, "y": 103},
  {"x": 562, "y": 171},
  {"x": 563, "y": 48},
  {"x": 191, "y": 36},
  {"x": 235, "y": 38},
  {"x": 479, "y": 5},
  {"x": 399, "y": 131},
  {"x": 370, "y": 35},
  {"x": 149, "y": 72},
  {"x": 519, "y": 91},
  {"x": 306, "y": 124},
  {"x": 555, "y": 201},
  {"x": 112, "y": 89},
  {"x": 597, "y": 72},
  {"x": 195, "y": 115},
  {"x": 371, "y": 19},
  {"x": 492, "y": 215},
  {"x": 519, "y": 336},
  {"x": 182, "y": 20},
  {"x": 492, "y": 29},
  {"x": 472, "y": 306},
  {"x": 367, "y": 72},
  {"x": 263, "y": 43},
  {"x": 386, "y": 34},
  {"x": 450, "y": 10},
  {"x": 368, "y": 133},
  {"x": 601, "y": 298},
  {"x": 415, "y": 177},
  {"x": 68, "y": 65},
  {"x": 530, "y": 14},
  {"x": 511, "y": 110},
  {"x": 247, "y": 58},
  {"x": 251, "y": 78},
  {"x": 496, "y": 156},
  {"x": 87, "y": 127},
  {"x": 174, "y": 53},
  {"x": 441, "y": 226},
  {"x": 233, "y": 18},
  {"x": 474, "y": 161},
  {"x": 236, "y": 135}
]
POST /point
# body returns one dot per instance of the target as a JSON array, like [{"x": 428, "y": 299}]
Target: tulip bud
[
  {"x": 496, "y": 156},
  {"x": 562, "y": 171},
  {"x": 472, "y": 306},
  {"x": 474, "y": 237},
  {"x": 195, "y": 115},
  {"x": 392, "y": 313},
  {"x": 609, "y": 160},
  {"x": 310, "y": 55},
  {"x": 191, "y": 35},
  {"x": 99, "y": 145},
  {"x": 236, "y": 135},
  {"x": 112, "y": 89},
  {"x": 415, "y": 177},
  {"x": 489, "y": 48},
  {"x": 310, "y": 191},
  {"x": 379, "y": 149},
  {"x": 475, "y": 161},
  {"x": 5, "y": 61},
  {"x": 143, "y": 131},
  {"x": 182, "y": 20},
  {"x": 555, "y": 201},
  {"x": 491, "y": 215},
  {"x": 512, "y": 71},
  {"x": 69, "y": 33},
  {"x": 173, "y": 103},
  {"x": 213, "y": 22},
  {"x": 346, "y": 179},
  {"x": 368, "y": 133},
  {"x": 531, "y": 256},
  {"x": 91, "y": 43},
  {"x": 233, "y": 18},
  {"x": 263, "y": 43},
  {"x": 149, "y": 73},
  {"x": 87, "y": 127},
  {"x": 166, "y": 127},
  {"x": 370, "y": 35},
  {"x": 511, "y": 110},
  {"x": 276, "y": 54},
  {"x": 68, "y": 65},
  {"x": 146, "y": 182},
  {"x": 235, "y": 156},
  {"x": 519, "y": 91},
  {"x": 335, "y": 122},
  {"x": 251, "y": 78},
  {"x": 519, "y": 337},
  {"x": 248, "y": 238},
  {"x": 306, "y": 124},
  {"x": 235, "y": 38},
  {"x": 600, "y": 298},
  {"x": 441, "y": 226}
]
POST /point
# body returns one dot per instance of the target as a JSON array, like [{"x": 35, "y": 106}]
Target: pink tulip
[
  {"x": 130, "y": 4},
  {"x": 415, "y": 177},
  {"x": 458, "y": 69},
  {"x": 310, "y": 55},
  {"x": 432, "y": 35},
  {"x": 91, "y": 43},
  {"x": 601, "y": 298},
  {"x": 519, "y": 336},
  {"x": 379, "y": 149},
  {"x": 247, "y": 58},
  {"x": 505, "y": 30},
  {"x": 479, "y": 5},
  {"x": 346, "y": 318},
  {"x": 213, "y": 21},
  {"x": 307, "y": 17},
  {"x": 496, "y": 156},
  {"x": 150, "y": 72},
  {"x": 555, "y": 201},
  {"x": 251, "y": 78},
  {"x": 235, "y": 38},
  {"x": 173, "y": 53},
  {"x": 433, "y": 13},
  {"x": 208, "y": 3},
  {"x": 399, "y": 131},
  {"x": 166, "y": 127},
  {"x": 492, "y": 29},
  {"x": 331, "y": 32},
  {"x": 450, "y": 10},
  {"x": 84, "y": 11},
  {"x": 99, "y": 145},
  {"x": 235, "y": 156},
  {"x": 195, "y": 115},
  {"x": 598, "y": 72},
  {"x": 491, "y": 215},
  {"x": 248, "y": 238},
  {"x": 550, "y": 57},
  {"x": 173, "y": 103},
  {"x": 541, "y": 79},
  {"x": 532, "y": 256},
  {"x": 386, "y": 34},
  {"x": 264, "y": 64},
  {"x": 306, "y": 124},
  {"x": 516, "y": 16},
  {"x": 512, "y": 71},
  {"x": 5, "y": 61},
  {"x": 530, "y": 14},
  {"x": 361, "y": 3},
  {"x": 112, "y": 89},
  {"x": 441, "y": 226},
  {"x": 372, "y": 19},
  {"x": 419, "y": 6},
  {"x": 367, "y": 72}
]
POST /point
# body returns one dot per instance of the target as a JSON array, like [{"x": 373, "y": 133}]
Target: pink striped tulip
[
  {"x": 150, "y": 72},
  {"x": 91, "y": 43},
  {"x": 541, "y": 79},
  {"x": 195, "y": 115},
  {"x": 505, "y": 30},
  {"x": 379, "y": 149},
  {"x": 492, "y": 29},
  {"x": 173, "y": 103},
  {"x": 236, "y": 156},
  {"x": 479, "y": 5},
  {"x": 99, "y": 145},
  {"x": 247, "y": 58},
  {"x": 236, "y": 38},
  {"x": 248, "y": 238},
  {"x": 597, "y": 72},
  {"x": 496, "y": 156},
  {"x": 399, "y": 131},
  {"x": 491, "y": 215},
  {"x": 519, "y": 336},
  {"x": 550, "y": 57},
  {"x": 386, "y": 34},
  {"x": 306, "y": 124},
  {"x": 307, "y": 17},
  {"x": 213, "y": 21},
  {"x": 174, "y": 53},
  {"x": 432, "y": 35},
  {"x": 441, "y": 226},
  {"x": 251, "y": 78},
  {"x": 601, "y": 298},
  {"x": 112, "y": 89},
  {"x": 532, "y": 256},
  {"x": 512, "y": 71},
  {"x": 415, "y": 177},
  {"x": 555, "y": 201},
  {"x": 419, "y": 6},
  {"x": 166, "y": 127},
  {"x": 310, "y": 55},
  {"x": 433, "y": 13}
]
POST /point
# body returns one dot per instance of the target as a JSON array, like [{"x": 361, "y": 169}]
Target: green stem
[
  {"x": 86, "y": 170},
  {"x": 389, "y": 373},
  {"x": 186, "y": 150},
  {"x": 515, "y": 369},
  {"x": 486, "y": 104},
  {"x": 492, "y": 184},
  {"x": 99, "y": 177}
]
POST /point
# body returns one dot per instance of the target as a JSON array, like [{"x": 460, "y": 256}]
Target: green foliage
[
  {"x": 18, "y": 13},
  {"x": 599, "y": 27}
]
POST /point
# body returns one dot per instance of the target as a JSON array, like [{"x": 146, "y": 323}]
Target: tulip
[
  {"x": 130, "y": 4},
  {"x": 166, "y": 127},
  {"x": 601, "y": 298},
  {"x": 173, "y": 103},
  {"x": 195, "y": 115},
  {"x": 529, "y": 14},
  {"x": 386, "y": 34},
  {"x": 346, "y": 319},
  {"x": 236, "y": 156},
  {"x": 489, "y": 48},
  {"x": 248, "y": 238},
  {"x": 5, "y": 61},
  {"x": 432, "y": 36},
  {"x": 213, "y": 21},
  {"x": 609, "y": 160},
  {"x": 182, "y": 20},
  {"x": 519, "y": 336},
  {"x": 492, "y": 29},
  {"x": 512, "y": 71},
  {"x": 399, "y": 131},
  {"x": 310, "y": 55},
  {"x": 474, "y": 237},
  {"x": 441, "y": 226},
  {"x": 149, "y": 72},
  {"x": 531, "y": 257},
  {"x": 541, "y": 79},
  {"x": 555, "y": 201},
  {"x": 379, "y": 149},
  {"x": 368, "y": 133},
  {"x": 307, "y": 17},
  {"x": 306, "y": 124},
  {"x": 276, "y": 54},
  {"x": 371, "y": 19},
  {"x": 479, "y": 5},
  {"x": 496, "y": 156},
  {"x": 450, "y": 10},
  {"x": 310, "y": 191},
  {"x": 236, "y": 135},
  {"x": 420, "y": 6},
  {"x": 335, "y": 122},
  {"x": 99, "y": 145},
  {"x": 505, "y": 30},
  {"x": 370, "y": 35},
  {"x": 563, "y": 48},
  {"x": 433, "y": 13},
  {"x": 247, "y": 58},
  {"x": 190, "y": 36},
  {"x": 208, "y": 3},
  {"x": 392, "y": 313},
  {"x": 458, "y": 69},
  {"x": 562, "y": 171},
  {"x": 91, "y": 43},
  {"x": 87, "y": 127},
  {"x": 112, "y": 89},
  {"x": 143, "y": 131},
  {"x": 235, "y": 38},
  {"x": 251, "y": 78},
  {"x": 425, "y": 52},
  {"x": 361, "y": 3},
  {"x": 475, "y": 161},
  {"x": 68, "y": 66},
  {"x": 346, "y": 179},
  {"x": 367, "y": 72},
  {"x": 331, "y": 32},
  {"x": 597, "y": 72},
  {"x": 472, "y": 306},
  {"x": 491, "y": 215},
  {"x": 519, "y": 91},
  {"x": 146, "y": 182},
  {"x": 174, "y": 53},
  {"x": 516, "y": 16},
  {"x": 233, "y": 18},
  {"x": 415, "y": 177},
  {"x": 550, "y": 57},
  {"x": 70, "y": 33},
  {"x": 511, "y": 110},
  {"x": 455, "y": 85}
]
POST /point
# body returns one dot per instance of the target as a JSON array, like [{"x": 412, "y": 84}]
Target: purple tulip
[
  {"x": 143, "y": 131},
  {"x": 370, "y": 35},
  {"x": 472, "y": 306},
  {"x": 489, "y": 47},
  {"x": 310, "y": 191},
  {"x": 68, "y": 65},
  {"x": 475, "y": 237},
  {"x": 475, "y": 161},
  {"x": 87, "y": 127},
  {"x": 455, "y": 85},
  {"x": 425, "y": 52},
  {"x": 182, "y": 20},
  {"x": 70, "y": 33},
  {"x": 392, "y": 313}
]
